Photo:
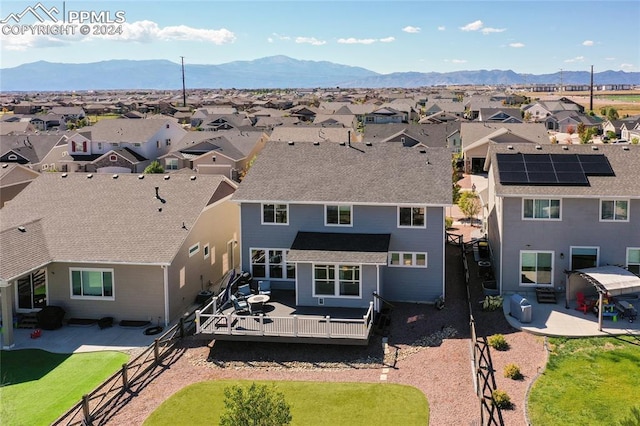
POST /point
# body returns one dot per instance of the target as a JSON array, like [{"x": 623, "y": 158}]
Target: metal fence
[{"x": 103, "y": 402}]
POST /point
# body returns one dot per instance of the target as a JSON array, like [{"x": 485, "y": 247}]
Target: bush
[
  {"x": 501, "y": 399},
  {"x": 498, "y": 342},
  {"x": 257, "y": 405},
  {"x": 512, "y": 371},
  {"x": 448, "y": 222}
]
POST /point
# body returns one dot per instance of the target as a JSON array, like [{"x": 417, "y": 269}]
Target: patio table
[{"x": 257, "y": 302}]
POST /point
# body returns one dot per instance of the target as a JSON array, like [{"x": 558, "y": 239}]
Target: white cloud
[
  {"x": 352, "y": 40},
  {"x": 473, "y": 26},
  {"x": 479, "y": 26},
  {"x": 149, "y": 31},
  {"x": 442, "y": 28},
  {"x": 489, "y": 30},
  {"x": 456, "y": 61},
  {"x": 411, "y": 30},
  {"x": 310, "y": 40},
  {"x": 587, "y": 43},
  {"x": 627, "y": 66},
  {"x": 576, "y": 59},
  {"x": 516, "y": 45},
  {"x": 276, "y": 36}
]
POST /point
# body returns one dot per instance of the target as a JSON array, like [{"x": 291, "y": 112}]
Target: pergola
[{"x": 611, "y": 280}]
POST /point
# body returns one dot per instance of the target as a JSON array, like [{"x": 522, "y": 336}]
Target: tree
[
  {"x": 528, "y": 116},
  {"x": 612, "y": 114},
  {"x": 154, "y": 167},
  {"x": 469, "y": 204},
  {"x": 635, "y": 141},
  {"x": 257, "y": 405},
  {"x": 571, "y": 130}
]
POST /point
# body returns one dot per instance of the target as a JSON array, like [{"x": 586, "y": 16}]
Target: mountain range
[{"x": 265, "y": 73}]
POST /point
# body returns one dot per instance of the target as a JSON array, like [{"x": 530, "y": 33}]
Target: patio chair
[
  {"x": 264, "y": 287},
  {"x": 244, "y": 291},
  {"x": 240, "y": 306},
  {"x": 584, "y": 305}
]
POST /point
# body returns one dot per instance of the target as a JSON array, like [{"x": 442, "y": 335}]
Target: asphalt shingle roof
[
  {"x": 330, "y": 172},
  {"x": 101, "y": 219}
]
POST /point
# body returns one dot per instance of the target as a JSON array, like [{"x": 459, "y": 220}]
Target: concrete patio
[{"x": 554, "y": 319}]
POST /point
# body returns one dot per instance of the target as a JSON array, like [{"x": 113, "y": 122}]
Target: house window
[
  {"x": 91, "y": 283},
  {"x": 113, "y": 158},
  {"x": 194, "y": 249},
  {"x": 633, "y": 260},
  {"x": 344, "y": 283},
  {"x": 157, "y": 144},
  {"x": 167, "y": 142},
  {"x": 206, "y": 251},
  {"x": 536, "y": 268},
  {"x": 114, "y": 144},
  {"x": 411, "y": 217},
  {"x": 338, "y": 215},
  {"x": 99, "y": 146},
  {"x": 275, "y": 214},
  {"x": 171, "y": 163},
  {"x": 12, "y": 157},
  {"x": 136, "y": 144},
  {"x": 168, "y": 126},
  {"x": 402, "y": 259},
  {"x": 271, "y": 263},
  {"x": 584, "y": 257},
  {"x": 541, "y": 209},
  {"x": 614, "y": 210}
]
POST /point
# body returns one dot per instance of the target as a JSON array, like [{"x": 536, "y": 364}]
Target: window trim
[
  {"x": 627, "y": 257},
  {"x": 571, "y": 248},
  {"x": 350, "y": 224},
  {"x": 267, "y": 264},
  {"x": 82, "y": 297},
  {"x": 558, "y": 219},
  {"x": 336, "y": 281},
  {"x": 413, "y": 254},
  {"x": 423, "y": 226},
  {"x": 275, "y": 215},
  {"x": 536, "y": 284},
  {"x": 194, "y": 249},
  {"x": 615, "y": 201}
]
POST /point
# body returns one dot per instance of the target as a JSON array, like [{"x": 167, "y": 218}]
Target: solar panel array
[{"x": 551, "y": 169}]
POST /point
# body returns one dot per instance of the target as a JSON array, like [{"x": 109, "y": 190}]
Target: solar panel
[{"x": 551, "y": 169}]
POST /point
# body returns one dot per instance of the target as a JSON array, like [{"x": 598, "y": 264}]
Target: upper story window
[
  {"x": 413, "y": 217},
  {"x": 338, "y": 215},
  {"x": 194, "y": 249},
  {"x": 614, "y": 210},
  {"x": 277, "y": 214},
  {"x": 633, "y": 260},
  {"x": 541, "y": 209},
  {"x": 171, "y": 163},
  {"x": 91, "y": 283}
]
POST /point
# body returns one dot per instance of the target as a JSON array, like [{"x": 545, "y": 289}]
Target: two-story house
[
  {"x": 558, "y": 208},
  {"x": 336, "y": 222}
]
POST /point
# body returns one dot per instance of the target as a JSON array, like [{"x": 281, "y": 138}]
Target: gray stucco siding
[{"x": 580, "y": 227}]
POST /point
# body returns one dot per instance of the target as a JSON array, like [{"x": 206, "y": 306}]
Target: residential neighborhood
[{"x": 301, "y": 220}]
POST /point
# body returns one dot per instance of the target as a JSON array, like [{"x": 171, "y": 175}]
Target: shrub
[
  {"x": 498, "y": 342},
  {"x": 501, "y": 399},
  {"x": 512, "y": 371},
  {"x": 256, "y": 405},
  {"x": 448, "y": 222}
]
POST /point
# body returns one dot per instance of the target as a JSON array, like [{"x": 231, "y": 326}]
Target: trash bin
[{"x": 520, "y": 308}]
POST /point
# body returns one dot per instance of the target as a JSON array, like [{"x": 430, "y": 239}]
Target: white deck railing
[{"x": 210, "y": 322}]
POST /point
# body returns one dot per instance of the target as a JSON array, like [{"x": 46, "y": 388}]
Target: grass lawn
[
  {"x": 312, "y": 403},
  {"x": 588, "y": 381},
  {"x": 38, "y": 386}
]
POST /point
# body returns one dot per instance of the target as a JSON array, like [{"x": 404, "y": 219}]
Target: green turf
[
  {"x": 312, "y": 403},
  {"x": 38, "y": 386},
  {"x": 588, "y": 381}
]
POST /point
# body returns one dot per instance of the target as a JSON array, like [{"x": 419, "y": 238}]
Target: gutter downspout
[{"x": 165, "y": 270}]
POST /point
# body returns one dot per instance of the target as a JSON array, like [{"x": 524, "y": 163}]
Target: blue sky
[{"x": 385, "y": 36}]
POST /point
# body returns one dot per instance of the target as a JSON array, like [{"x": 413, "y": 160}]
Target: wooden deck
[{"x": 282, "y": 321}]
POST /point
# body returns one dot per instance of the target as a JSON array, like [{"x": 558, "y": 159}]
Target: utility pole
[
  {"x": 591, "y": 91},
  {"x": 184, "y": 89}
]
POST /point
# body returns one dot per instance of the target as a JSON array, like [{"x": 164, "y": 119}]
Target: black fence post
[
  {"x": 181, "y": 328},
  {"x": 85, "y": 410},
  {"x": 125, "y": 377}
]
